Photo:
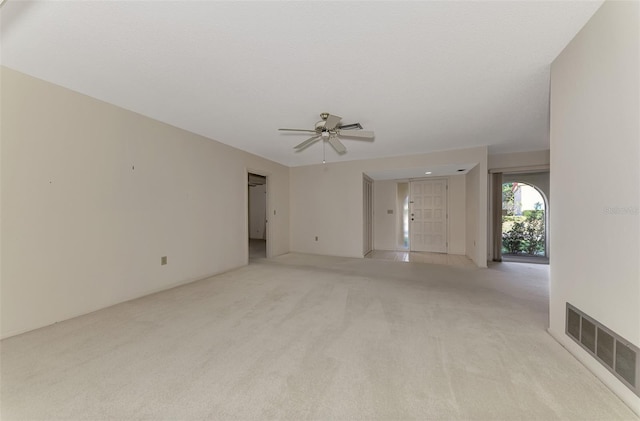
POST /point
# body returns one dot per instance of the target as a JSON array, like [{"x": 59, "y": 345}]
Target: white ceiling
[{"x": 424, "y": 76}]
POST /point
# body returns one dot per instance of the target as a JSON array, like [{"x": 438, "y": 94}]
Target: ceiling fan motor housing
[{"x": 320, "y": 126}]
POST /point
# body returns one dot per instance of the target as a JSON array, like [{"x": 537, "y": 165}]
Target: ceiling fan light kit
[{"x": 329, "y": 129}]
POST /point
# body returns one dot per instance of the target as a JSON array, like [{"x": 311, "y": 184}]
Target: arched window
[{"x": 524, "y": 230}]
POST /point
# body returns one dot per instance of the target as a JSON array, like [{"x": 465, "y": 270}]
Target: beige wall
[
  {"x": 472, "y": 182},
  {"x": 595, "y": 152},
  {"x": 519, "y": 160},
  {"x": 385, "y": 225},
  {"x": 93, "y": 196},
  {"x": 326, "y": 201},
  {"x": 457, "y": 230}
]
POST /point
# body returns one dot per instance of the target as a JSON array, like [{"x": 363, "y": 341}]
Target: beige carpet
[{"x": 308, "y": 337}]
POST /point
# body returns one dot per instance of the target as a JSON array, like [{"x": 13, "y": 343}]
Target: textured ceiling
[{"x": 424, "y": 76}]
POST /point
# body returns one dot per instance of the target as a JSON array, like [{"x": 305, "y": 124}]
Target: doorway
[
  {"x": 257, "y": 216},
  {"x": 428, "y": 215},
  {"x": 523, "y": 223}
]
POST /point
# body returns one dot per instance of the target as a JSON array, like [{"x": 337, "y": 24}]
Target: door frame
[
  {"x": 267, "y": 228},
  {"x": 367, "y": 215}
]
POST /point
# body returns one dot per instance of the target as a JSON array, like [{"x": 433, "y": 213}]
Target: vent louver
[{"x": 618, "y": 355}]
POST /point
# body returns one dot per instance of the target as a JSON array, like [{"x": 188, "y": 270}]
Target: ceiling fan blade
[
  {"x": 307, "y": 143},
  {"x": 337, "y": 145},
  {"x": 357, "y": 133},
  {"x": 353, "y": 126},
  {"x": 297, "y": 130},
  {"x": 332, "y": 122}
]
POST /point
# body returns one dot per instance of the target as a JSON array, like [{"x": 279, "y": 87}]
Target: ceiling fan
[{"x": 329, "y": 129}]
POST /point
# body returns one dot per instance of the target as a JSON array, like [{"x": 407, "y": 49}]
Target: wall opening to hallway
[{"x": 257, "y": 220}]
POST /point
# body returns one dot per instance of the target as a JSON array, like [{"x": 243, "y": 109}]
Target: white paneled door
[{"x": 428, "y": 215}]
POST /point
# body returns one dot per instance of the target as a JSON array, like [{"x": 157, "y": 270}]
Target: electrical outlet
[
  {"x": 316, "y": 238},
  {"x": 163, "y": 260}
]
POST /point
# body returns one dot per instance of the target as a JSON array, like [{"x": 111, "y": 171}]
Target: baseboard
[{"x": 601, "y": 373}]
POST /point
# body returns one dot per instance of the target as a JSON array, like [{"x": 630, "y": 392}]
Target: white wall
[
  {"x": 326, "y": 201},
  {"x": 93, "y": 196},
  {"x": 595, "y": 152},
  {"x": 385, "y": 225},
  {"x": 257, "y": 211}
]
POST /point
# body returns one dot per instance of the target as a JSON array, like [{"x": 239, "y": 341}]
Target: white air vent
[{"x": 621, "y": 357}]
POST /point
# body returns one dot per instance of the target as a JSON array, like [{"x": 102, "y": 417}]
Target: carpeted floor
[{"x": 310, "y": 337}]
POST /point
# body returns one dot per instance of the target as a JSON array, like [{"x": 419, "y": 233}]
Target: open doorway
[
  {"x": 524, "y": 223},
  {"x": 257, "y": 220}
]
